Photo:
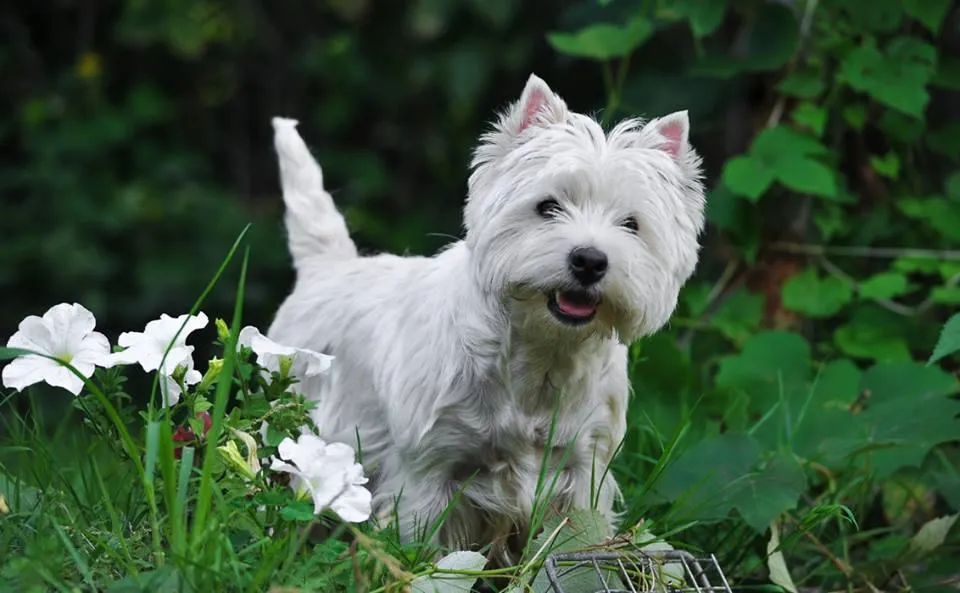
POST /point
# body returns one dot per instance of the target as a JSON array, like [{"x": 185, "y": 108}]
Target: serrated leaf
[
  {"x": 878, "y": 16},
  {"x": 930, "y": 13},
  {"x": 814, "y": 295},
  {"x": 886, "y": 285},
  {"x": 747, "y": 176},
  {"x": 603, "y": 41},
  {"x": 778, "y": 141},
  {"x": 932, "y": 535},
  {"x": 776, "y": 564},
  {"x": 811, "y": 116},
  {"x": 451, "y": 583},
  {"x": 949, "y": 341}
]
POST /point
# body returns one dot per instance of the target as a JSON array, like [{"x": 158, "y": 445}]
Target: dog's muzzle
[{"x": 573, "y": 307}]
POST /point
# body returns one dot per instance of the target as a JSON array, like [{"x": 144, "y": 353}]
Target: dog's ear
[
  {"x": 538, "y": 106},
  {"x": 674, "y": 129}
]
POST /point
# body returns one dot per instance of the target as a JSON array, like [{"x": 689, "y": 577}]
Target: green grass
[{"x": 95, "y": 498}]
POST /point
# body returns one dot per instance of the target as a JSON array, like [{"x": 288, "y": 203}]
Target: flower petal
[
  {"x": 69, "y": 324},
  {"x": 33, "y": 334},
  {"x": 63, "y": 377},
  {"x": 354, "y": 505},
  {"x": 309, "y": 363},
  {"x": 27, "y": 370},
  {"x": 93, "y": 349}
]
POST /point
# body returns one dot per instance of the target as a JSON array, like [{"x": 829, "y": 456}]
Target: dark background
[{"x": 136, "y": 139}]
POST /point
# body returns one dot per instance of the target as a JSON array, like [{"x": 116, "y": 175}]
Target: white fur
[{"x": 450, "y": 369}]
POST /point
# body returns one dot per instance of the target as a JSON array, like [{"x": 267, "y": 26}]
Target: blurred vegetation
[{"x": 792, "y": 389}]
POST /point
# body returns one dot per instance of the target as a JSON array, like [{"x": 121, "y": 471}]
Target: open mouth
[{"x": 573, "y": 307}]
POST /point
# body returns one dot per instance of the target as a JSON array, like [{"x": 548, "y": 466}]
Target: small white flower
[
  {"x": 170, "y": 387},
  {"x": 270, "y": 355},
  {"x": 330, "y": 474},
  {"x": 65, "y": 332},
  {"x": 147, "y": 348}
]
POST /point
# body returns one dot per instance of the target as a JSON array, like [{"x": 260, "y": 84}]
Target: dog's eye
[
  {"x": 548, "y": 208},
  {"x": 630, "y": 223}
]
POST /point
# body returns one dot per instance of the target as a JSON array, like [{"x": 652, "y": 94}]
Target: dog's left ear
[
  {"x": 538, "y": 106},
  {"x": 674, "y": 129}
]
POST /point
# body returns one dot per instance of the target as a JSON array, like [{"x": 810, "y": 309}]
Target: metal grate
[{"x": 636, "y": 572}]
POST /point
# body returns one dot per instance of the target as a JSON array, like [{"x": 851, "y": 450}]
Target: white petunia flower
[
  {"x": 65, "y": 332},
  {"x": 330, "y": 474},
  {"x": 170, "y": 387},
  {"x": 147, "y": 348},
  {"x": 271, "y": 355}
]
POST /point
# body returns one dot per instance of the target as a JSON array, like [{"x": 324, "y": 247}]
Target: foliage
[
  {"x": 815, "y": 405},
  {"x": 799, "y": 415}
]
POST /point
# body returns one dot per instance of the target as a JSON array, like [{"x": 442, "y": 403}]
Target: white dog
[{"x": 464, "y": 373}]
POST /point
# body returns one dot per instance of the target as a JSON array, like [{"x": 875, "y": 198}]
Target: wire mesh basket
[{"x": 673, "y": 571}]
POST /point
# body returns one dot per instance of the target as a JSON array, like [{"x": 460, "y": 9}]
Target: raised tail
[{"x": 314, "y": 226}]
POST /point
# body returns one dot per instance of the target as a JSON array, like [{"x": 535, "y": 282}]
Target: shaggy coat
[{"x": 464, "y": 374}]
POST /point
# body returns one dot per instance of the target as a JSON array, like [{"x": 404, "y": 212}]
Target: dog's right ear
[{"x": 538, "y": 106}]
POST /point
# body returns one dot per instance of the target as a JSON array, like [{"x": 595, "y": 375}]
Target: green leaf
[
  {"x": 866, "y": 340},
  {"x": 581, "y": 528},
  {"x": 300, "y": 510},
  {"x": 930, "y": 13},
  {"x": 807, "y": 176},
  {"x": 777, "y": 141},
  {"x": 739, "y": 316},
  {"x": 806, "y": 84},
  {"x": 603, "y": 41},
  {"x": 747, "y": 176},
  {"x": 811, "y": 116},
  {"x": 764, "y": 495},
  {"x": 705, "y": 16},
  {"x": 815, "y": 296},
  {"x": 855, "y": 116},
  {"x": 912, "y": 380},
  {"x": 949, "y": 341},
  {"x": 11, "y": 353},
  {"x": 441, "y": 582},
  {"x": 886, "y": 285},
  {"x": 888, "y": 165},
  {"x": 897, "y": 77},
  {"x": 940, "y": 214},
  {"x": 772, "y": 365},
  {"x": 946, "y": 295},
  {"x": 767, "y": 45},
  {"x": 701, "y": 480}
]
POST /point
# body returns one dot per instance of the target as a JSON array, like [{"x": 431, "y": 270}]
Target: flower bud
[
  {"x": 223, "y": 332},
  {"x": 213, "y": 371},
  {"x": 231, "y": 455}
]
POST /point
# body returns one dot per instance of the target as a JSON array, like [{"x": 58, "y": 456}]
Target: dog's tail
[{"x": 314, "y": 226}]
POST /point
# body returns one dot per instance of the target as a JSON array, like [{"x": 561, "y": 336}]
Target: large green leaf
[
  {"x": 949, "y": 341},
  {"x": 764, "y": 495},
  {"x": 772, "y": 365},
  {"x": 815, "y": 295},
  {"x": 872, "y": 335},
  {"x": 739, "y": 316},
  {"x": 704, "y": 15},
  {"x": 603, "y": 41},
  {"x": 747, "y": 176},
  {"x": 896, "y": 77}
]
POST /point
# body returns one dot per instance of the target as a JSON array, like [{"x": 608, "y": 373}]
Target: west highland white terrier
[{"x": 461, "y": 375}]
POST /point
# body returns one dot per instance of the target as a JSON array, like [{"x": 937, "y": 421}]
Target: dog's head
[{"x": 582, "y": 229}]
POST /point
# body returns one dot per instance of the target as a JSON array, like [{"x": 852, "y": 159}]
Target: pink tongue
[{"x": 573, "y": 309}]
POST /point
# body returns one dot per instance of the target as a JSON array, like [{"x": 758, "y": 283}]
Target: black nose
[{"x": 587, "y": 264}]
